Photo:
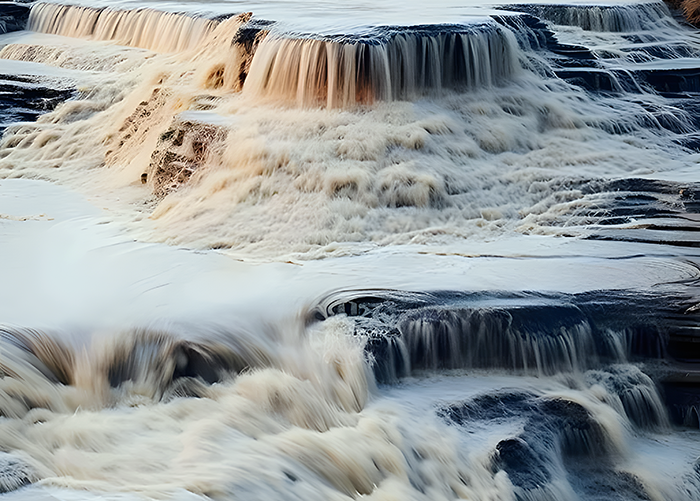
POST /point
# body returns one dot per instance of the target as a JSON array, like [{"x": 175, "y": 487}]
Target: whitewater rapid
[{"x": 308, "y": 250}]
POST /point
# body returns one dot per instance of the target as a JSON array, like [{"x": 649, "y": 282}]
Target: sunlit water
[{"x": 377, "y": 252}]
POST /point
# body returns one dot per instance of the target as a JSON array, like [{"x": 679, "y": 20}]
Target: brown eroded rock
[
  {"x": 180, "y": 151},
  {"x": 689, "y": 8},
  {"x": 125, "y": 144}
]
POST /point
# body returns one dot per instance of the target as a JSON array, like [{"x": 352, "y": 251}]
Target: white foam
[{"x": 468, "y": 191}]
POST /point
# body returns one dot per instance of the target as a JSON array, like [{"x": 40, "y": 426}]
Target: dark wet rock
[
  {"x": 587, "y": 68},
  {"x": 25, "y": 98},
  {"x": 556, "y": 432},
  {"x": 525, "y": 467},
  {"x": 14, "y": 473},
  {"x": 530, "y": 30},
  {"x": 13, "y": 16},
  {"x": 491, "y": 406},
  {"x": 653, "y": 211},
  {"x": 682, "y": 395},
  {"x": 591, "y": 79},
  {"x": 657, "y": 211},
  {"x": 247, "y": 40},
  {"x": 542, "y": 338},
  {"x": 389, "y": 356},
  {"x": 601, "y": 483},
  {"x": 550, "y": 422},
  {"x": 531, "y": 332},
  {"x": 671, "y": 81},
  {"x": 561, "y": 448},
  {"x": 601, "y": 17},
  {"x": 577, "y": 432}
]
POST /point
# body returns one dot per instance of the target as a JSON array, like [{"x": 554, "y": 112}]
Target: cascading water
[
  {"x": 330, "y": 251},
  {"x": 137, "y": 28},
  {"x": 394, "y": 64},
  {"x": 602, "y": 18}
]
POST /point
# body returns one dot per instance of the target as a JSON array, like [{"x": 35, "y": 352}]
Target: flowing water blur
[{"x": 312, "y": 250}]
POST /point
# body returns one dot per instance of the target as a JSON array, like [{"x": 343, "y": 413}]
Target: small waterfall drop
[
  {"x": 145, "y": 28},
  {"x": 602, "y": 18},
  {"x": 383, "y": 66}
]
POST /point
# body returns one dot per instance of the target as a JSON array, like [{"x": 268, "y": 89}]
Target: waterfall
[
  {"x": 342, "y": 250},
  {"x": 387, "y": 65},
  {"x": 145, "y": 28},
  {"x": 603, "y": 18}
]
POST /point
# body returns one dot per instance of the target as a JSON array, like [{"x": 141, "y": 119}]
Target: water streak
[
  {"x": 393, "y": 64},
  {"x": 145, "y": 28}
]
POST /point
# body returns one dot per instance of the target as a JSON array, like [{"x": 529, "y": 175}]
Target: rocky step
[{"x": 530, "y": 332}]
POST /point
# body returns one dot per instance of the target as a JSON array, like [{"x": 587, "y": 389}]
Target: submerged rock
[
  {"x": 562, "y": 447},
  {"x": 14, "y": 473},
  {"x": 24, "y": 98}
]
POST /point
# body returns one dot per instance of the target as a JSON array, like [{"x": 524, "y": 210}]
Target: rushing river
[{"x": 316, "y": 250}]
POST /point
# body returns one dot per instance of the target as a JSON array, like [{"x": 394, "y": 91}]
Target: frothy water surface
[{"x": 333, "y": 251}]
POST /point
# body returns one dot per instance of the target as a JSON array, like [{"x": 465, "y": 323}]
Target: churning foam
[
  {"x": 321, "y": 134},
  {"x": 228, "y": 134}
]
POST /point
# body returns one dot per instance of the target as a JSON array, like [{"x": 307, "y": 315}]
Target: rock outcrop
[
  {"x": 13, "y": 17},
  {"x": 183, "y": 148}
]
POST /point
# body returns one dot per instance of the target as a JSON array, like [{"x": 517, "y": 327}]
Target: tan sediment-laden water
[{"x": 313, "y": 250}]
